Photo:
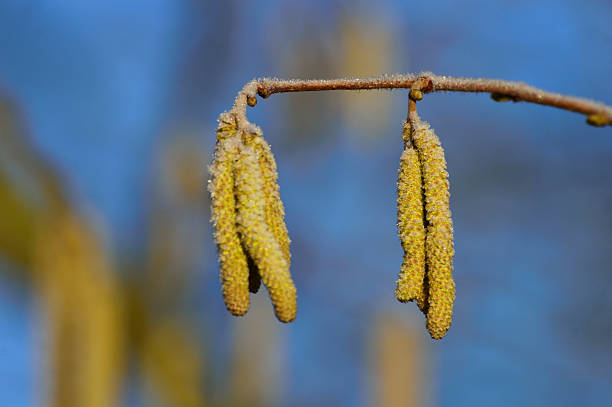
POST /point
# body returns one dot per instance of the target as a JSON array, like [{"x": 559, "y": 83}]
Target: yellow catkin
[
  {"x": 274, "y": 210},
  {"x": 439, "y": 249},
  {"x": 411, "y": 230},
  {"x": 232, "y": 258},
  {"x": 257, "y": 236}
]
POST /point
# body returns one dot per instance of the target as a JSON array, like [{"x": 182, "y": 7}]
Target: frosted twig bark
[{"x": 598, "y": 114}]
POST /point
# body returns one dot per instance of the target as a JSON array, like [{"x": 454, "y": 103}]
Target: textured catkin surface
[
  {"x": 411, "y": 230},
  {"x": 257, "y": 236},
  {"x": 439, "y": 249},
  {"x": 274, "y": 210},
  {"x": 232, "y": 258}
]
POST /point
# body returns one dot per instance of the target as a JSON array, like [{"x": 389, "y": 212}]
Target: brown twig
[{"x": 598, "y": 114}]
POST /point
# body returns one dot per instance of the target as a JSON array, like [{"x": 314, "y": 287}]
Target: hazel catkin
[
  {"x": 257, "y": 236},
  {"x": 233, "y": 261},
  {"x": 439, "y": 249},
  {"x": 411, "y": 230},
  {"x": 274, "y": 210}
]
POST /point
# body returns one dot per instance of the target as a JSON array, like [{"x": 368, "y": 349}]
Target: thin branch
[{"x": 598, "y": 114}]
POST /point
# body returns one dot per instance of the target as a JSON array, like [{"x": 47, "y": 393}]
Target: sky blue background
[{"x": 104, "y": 84}]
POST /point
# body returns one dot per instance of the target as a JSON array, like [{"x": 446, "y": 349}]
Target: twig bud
[
  {"x": 251, "y": 100},
  {"x": 597, "y": 120},
  {"x": 500, "y": 97},
  {"x": 415, "y": 94}
]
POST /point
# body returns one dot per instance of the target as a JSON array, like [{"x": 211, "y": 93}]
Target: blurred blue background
[{"x": 121, "y": 100}]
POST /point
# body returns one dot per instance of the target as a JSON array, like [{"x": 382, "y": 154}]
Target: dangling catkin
[
  {"x": 232, "y": 258},
  {"x": 439, "y": 241},
  {"x": 275, "y": 212},
  {"x": 411, "y": 229},
  {"x": 257, "y": 236},
  {"x": 274, "y": 209}
]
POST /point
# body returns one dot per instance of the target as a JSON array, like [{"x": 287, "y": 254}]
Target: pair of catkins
[
  {"x": 425, "y": 227},
  {"x": 253, "y": 242}
]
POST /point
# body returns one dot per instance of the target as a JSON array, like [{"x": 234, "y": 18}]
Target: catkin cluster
[
  {"x": 248, "y": 218},
  {"x": 425, "y": 227}
]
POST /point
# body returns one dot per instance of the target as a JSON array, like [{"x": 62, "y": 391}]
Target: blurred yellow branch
[
  {"x": 83, "y": 306},
  {"x": 70, "y": 271},
  {"x": 18, "y": 224},
  {"x": 171, "y": 359}
]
